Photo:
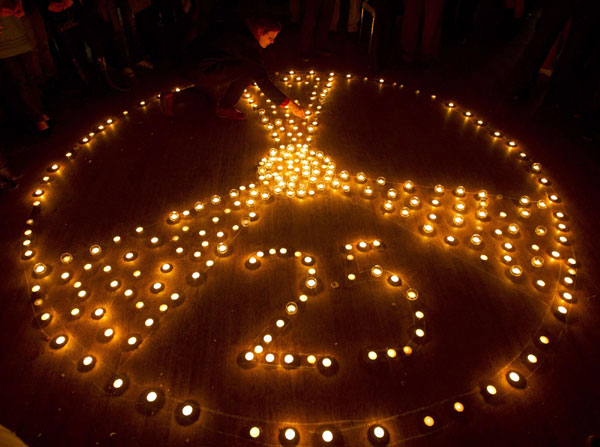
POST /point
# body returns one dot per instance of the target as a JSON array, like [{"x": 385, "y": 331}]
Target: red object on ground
[{"x": 230, "y": 113}]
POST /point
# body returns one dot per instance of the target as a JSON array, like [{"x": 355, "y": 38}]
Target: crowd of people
[{"x": 51, "y": 45}]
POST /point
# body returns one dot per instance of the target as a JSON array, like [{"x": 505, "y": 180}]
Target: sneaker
[
  {"x": 7, "y": 179},
  {"x": 145, "y": 64},
  {"x": 326, "y": 52},
  {"x": 305, "y": 57},
  {"x": 166, "y": 103},
  {"x": 230, "y": 113},
  {"x": 127, "y": 71},
  {"x": 101, "y": 62}
]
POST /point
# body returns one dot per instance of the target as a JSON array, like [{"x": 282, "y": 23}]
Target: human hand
[{"x": 296, "y": 109}]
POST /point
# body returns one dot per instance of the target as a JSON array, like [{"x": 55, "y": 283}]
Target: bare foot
[{"x": 42, "y": 125}]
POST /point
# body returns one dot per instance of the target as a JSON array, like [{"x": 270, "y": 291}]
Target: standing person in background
[
  {"x": 45, "y": 69},
  {"x": 235, "y": 60},
  {"x": 422, "y": 30},
  {"x": 316, "y": 21},
  {"x": 7, "y": 179},
  {"x": 352, "y": 9},
  {"x": 295, "y": 11},
  {"x": 77, "y": 26},
  {"x": 17, "y": 66},
  {"x": 120, "y": 15}
]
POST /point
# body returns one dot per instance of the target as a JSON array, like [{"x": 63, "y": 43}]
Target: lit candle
[
  {"x": 291, "y": 308},
  {"x": 254, "y": 432},
  {"x": 476, "y": 239},
  {"x": 40, "y": 268},
  {"x": 311, "y": 282},
  {"x": 290, "y": 434},
  {"x": 412, "y": 294},
  {"x": 60, "y": 341},
  {"x": 379, "y": 432},
  {"x": 514, "y": 377},
  {"x": 516, "y": 270},
  {"x": 376, "y": 271}
]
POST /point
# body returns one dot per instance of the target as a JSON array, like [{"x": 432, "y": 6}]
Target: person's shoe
[
  {"x": 128, "y": 71},
  {"x": 145, "y": 64},
  {"x": 101, "y": 63},
  {"x": 166, "y": 103},
  {"x": 7, "y": 179},
  {"x": 230, "y": 113},
  {"x": 305, "y": 57},
  {"x": 42, "y": 129}
]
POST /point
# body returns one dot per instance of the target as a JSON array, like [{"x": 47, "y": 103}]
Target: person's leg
[
  {"x": 21, "y": 87},
  {"x": 554, "y": 17},
  {"x": 234, "y": 92},
  {"x": 28, "y": 63},
  {"x": 411, "y": 24},
  {"x": 568, "y": 74},
  {"x": 147, "y": 24},
  {"x": 432, "y": 29},
  {"x": 209, "y": 75},
  {"x": 113, "y": 26},
  {"x": 309, "y": 19},
  {"x": 325, "y": 15},
  {"x": 354, "y": 15},
  {"x": 335, "y": 17},
  {"x": 130, "y": 31},
  {"x": 44, "y": 67},
  {"x": 7, "y": 179},
  {"x": 235, "y": 75},
  {"x": 295, "y": 11}
]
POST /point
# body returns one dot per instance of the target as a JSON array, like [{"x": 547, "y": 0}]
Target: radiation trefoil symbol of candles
[{"x": 531, "y": 235}]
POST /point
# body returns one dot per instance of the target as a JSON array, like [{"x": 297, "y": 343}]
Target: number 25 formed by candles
[{"x": 152, "y": 270}]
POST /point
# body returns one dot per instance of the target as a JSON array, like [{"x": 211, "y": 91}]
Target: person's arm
[{"x": 276, "y": 95}]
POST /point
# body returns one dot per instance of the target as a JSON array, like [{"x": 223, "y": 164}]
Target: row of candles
[{"x": 293, "y": 169}]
